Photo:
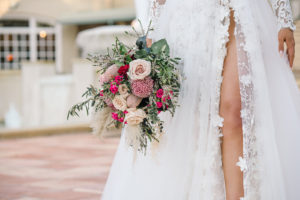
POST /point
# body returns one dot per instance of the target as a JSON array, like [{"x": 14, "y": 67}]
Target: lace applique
[
  {"x": 155, "y": 10},
  {"x": 283, "y": 11},
  {"x": 215, "y": 164},
  {"x": 248, "y": 162},
  {"x": 218, "y": 121},
  {"x": 242, "y": 164}
]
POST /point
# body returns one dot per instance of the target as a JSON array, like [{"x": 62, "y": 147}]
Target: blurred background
[
  {"x": 43, "y": 72},
  {"x": 43, "y": 50}
]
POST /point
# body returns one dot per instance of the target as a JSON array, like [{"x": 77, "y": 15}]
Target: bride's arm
[
  {"x": 155, "y": 7},
  {"x": 283, "y": 11}
]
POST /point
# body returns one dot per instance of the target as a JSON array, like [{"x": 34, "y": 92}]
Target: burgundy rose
[{"x": 123, "y": 70}]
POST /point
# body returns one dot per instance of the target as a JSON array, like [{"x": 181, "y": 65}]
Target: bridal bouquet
[{"x": 138, "y": 83}]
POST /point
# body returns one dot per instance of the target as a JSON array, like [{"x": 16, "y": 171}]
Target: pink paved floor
[{"x": 64, "y": 167}]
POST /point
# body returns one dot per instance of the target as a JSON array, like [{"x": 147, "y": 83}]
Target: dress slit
[{"x": 248, "y": 162}]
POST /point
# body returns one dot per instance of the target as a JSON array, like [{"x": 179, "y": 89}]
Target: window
[
  {"x": 46, "y": 46},
  {"x": 14, "y": 48},
  {"x": 16, "y": 44}
]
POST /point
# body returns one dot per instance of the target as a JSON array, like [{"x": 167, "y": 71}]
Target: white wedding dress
[{"x": 187, "y": 164}]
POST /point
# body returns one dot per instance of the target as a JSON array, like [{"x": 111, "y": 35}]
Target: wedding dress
[{"x": 187, "y": 163}]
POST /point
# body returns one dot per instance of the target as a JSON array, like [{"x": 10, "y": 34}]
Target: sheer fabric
[
  {"x": 187, "y": 164},
  {"x": 282, "y": 9}
]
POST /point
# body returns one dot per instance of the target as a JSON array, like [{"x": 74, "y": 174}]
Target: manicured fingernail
[{"x": 281, "y": 53}]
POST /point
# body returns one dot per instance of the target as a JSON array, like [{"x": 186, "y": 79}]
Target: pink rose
[
  {"x": 121, "y": 119},
  {"x": 113, "y": 89},
  {"x": 109, "y": 103},
  {"x": 159, "y": 93},
  {"x": 159, "y": 104},
  {"x": 109, "y": 74},
  {"x": 119, "y": 103},
  {"x": 101, "y": 93},
  {"x": 118, "y": 79},
  {"x": 115, "y": 116},
  {"x": 139, "y": 69},
  {"x": 135, "y": 116}
]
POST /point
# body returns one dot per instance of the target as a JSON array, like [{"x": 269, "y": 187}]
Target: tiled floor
[{"x": 64, "y": 167}]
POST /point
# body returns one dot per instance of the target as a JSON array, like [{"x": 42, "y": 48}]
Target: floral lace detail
[
  {"x": 242, "y": 164},
  {"x": 247, "y": 163},
  {"x": 222, "y": 37},
  {"x": 283, "y": 11},
  {"x": 155, "y": 10}
]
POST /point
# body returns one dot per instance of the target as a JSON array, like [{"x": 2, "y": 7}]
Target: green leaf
[
  {"x": 160, "y": 46},
  {"x": 141, "y": 53},
  {"x": 128, "y": 58},
  {"x": 119, "y": 63},
  {"x": 122, "y": 50}
]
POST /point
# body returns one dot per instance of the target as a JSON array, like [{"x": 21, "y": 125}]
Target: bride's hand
[
  {"x": 149, "y": 42},
  {"x": 286, "y": 35}
]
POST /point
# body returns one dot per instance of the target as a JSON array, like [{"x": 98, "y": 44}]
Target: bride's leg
[{"x": 230, "y": 106}]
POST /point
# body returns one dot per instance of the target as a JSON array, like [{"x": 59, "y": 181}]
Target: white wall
[{"x": 10, "y": 91}]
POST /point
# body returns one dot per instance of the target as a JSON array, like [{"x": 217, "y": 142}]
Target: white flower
[
  {"x": 218, "y": 121},
  {"x": 139, "y": 69},
  {"x": 135, "y": 116},
  {"x": 246, "y": 79},
  {"x": 123, "y": 90},
  {"x": 244, "y": 113},
  {"x": 242, "y": 164},
  {"x": 119, "y": 103}
]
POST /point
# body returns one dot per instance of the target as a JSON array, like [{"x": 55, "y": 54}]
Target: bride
[{"x": 236, "y": 134}]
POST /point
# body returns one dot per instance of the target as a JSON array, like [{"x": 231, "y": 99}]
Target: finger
[
  {"x": 281, "y": 46},
  {"x": 291, "y": 56},
  {"x": 290, "y": 43}
]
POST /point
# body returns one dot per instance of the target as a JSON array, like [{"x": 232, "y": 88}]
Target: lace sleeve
[
  {"x": 155, "y": 9},
  {"x": 283, "y": 11}
]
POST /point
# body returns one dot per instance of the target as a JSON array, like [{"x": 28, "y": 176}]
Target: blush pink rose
[
  {"x": 109, "y": 74},
  {"x": 139, "y": 69},
  {"x": 108, "y": 102}
]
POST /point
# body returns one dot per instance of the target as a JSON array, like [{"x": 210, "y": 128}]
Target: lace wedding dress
[{"x": 187, "y": 165}]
